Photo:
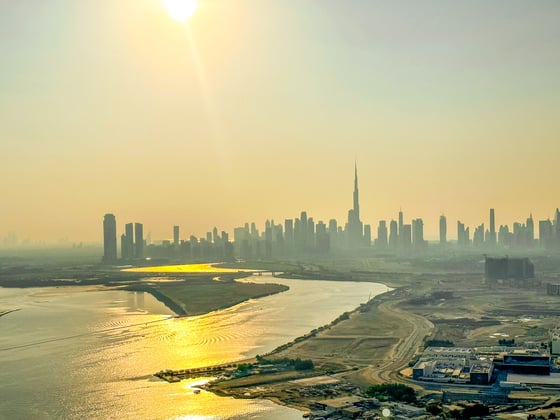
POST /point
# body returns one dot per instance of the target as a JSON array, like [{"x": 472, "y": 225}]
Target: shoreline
[
  {"x": 217, "y": 386},
  {"x": 185, "y": 294},
  {"x": 221, "y": 388}
]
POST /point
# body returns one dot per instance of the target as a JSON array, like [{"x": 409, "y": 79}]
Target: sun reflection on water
[{"x": 186, "y": 268}]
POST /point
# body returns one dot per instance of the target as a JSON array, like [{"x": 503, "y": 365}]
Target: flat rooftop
[
  {"x": 449, "y": 350},
  {"x": 552, "y": 379},
  {"x": 481, "y": 367}
]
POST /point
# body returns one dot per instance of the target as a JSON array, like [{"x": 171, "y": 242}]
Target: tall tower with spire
[
  {"x": 355, "y": 228},
  {"x": 356, "y": 193}
]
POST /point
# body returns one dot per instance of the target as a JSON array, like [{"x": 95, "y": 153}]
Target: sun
[{"x": 181, "y": 10}]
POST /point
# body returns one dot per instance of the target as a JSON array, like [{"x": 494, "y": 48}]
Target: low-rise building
[
  {"x": 449, "y": 352},
  {"x": 527, "y": 361},
  {"x": 481, "y": 372}
]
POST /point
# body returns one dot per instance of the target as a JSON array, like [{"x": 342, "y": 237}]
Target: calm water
[{"x": 69, "y": 353}]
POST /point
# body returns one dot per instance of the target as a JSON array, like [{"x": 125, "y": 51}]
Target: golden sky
[{"x": 257, "y": 109}]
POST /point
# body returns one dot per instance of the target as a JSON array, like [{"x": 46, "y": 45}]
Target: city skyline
[
  {"x": 354, "y": 223},
  {"x": 304, "y": 235},
  {"x": 254, "y": 109}
]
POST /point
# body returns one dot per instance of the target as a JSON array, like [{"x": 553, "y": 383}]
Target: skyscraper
[
  {"x": 557, "y": 228},
  {"x": 382, "y": 234},
  {"x": 462, "y": 234},
  {"x": 176, "y": 236},
  {"x": 356, "y": 193},
  {"x": 418, "y": 233},
  {"x": 478, "y": 236},
  {"x": 545, "y": 233},
  {"x": 530, "y": 231},
  {"x": 303, "y": 238},
  {"x": 355, "y": 226},
  {"x": 109, "y": 238},
  {"x": 322, "y": 238},
  {"x": 401, "y": 222},
  {"x": 442, "y": 230},
  {"x": 333, "y": 233},
  {"x": 405, "y": 240},
  {"x": 139, "y": 240},
  {"x": 491, "y": 239},
  {"x": 127, "y": 248},
  {"x": 367, "y": 235},
  {"x": 393, "y": 234},
  {"x": 289, "y": 236}
]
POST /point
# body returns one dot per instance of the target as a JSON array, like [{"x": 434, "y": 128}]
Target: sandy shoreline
[{"x": 309, "y": 346}]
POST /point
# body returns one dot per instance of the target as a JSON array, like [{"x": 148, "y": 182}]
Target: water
[{"x": 70, "y": 353}]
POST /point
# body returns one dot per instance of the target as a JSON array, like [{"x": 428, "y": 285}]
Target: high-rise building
[
  {"x": 491, "y": 237},
  {"x": 401, "y": 222},
  {"x": 504, "y": 236},
  {"x": 310, "y": 234},
  {"x": 393, "y": 234},
  {"x": 382, "y": 240},
  {"x": 123, "y": 246},
  {"x": 139, "y": 240},
  {"x": 405, "y": 240},
  {"x": 478, "y": 237},
  {"x": 176, "y": 236},
  {"x": 367, "y": 235},
  {"x": 289, "y": 236},
  {"x": 333, "y": 233},
  {"x": 322, "y": 238},
  {"x": 557, "y": 228},
  {"x": 129, "y": 232},
  {"x": 545, "y": 233},
  {"x": 109, "y": 239},
  {"x": 462, "y": 235},
  {"x": 356, "y": 194},
  {"x": 418, "y": 233},
  {"x": 442, "y": 230},
  {"x": 303, "y": 226},
  {"x": 127, "y": 242},
  {"x": 355, "y": 226},
  {"x": 268, "y": 240},
  {"x": 215, "y": 235},
  {"x": 530, "y": 231}
]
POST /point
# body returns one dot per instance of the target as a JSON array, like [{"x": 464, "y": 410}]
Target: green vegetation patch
[
  {"x": 439, "y": 343},
  {"x": 392, "y": 392},
  {"x": 297, "y": 364},
  {"x": 198, "y": 296}
]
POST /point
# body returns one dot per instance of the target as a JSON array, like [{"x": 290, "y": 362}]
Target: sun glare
[{"x": 180, "y": 10}]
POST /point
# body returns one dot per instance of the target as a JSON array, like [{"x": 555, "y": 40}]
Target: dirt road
[{"x": 403, "y": 351}]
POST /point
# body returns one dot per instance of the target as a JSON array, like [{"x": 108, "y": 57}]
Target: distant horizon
[{"x": 451, "y": 230}]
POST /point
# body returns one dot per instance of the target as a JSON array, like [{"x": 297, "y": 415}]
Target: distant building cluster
[
  {"x": 303, "y": 236},
  {"x": 522, "y": 235}
]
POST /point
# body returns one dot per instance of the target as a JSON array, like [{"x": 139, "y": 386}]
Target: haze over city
[
  {"x": 279, "y": 209},
  {"x": 256, "y": 110}
]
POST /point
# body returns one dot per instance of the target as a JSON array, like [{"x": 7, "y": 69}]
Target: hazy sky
[{"x": 257, "y": 109}]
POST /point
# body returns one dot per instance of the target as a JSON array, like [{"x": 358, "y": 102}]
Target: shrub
[{"x": 394, "y": 392}]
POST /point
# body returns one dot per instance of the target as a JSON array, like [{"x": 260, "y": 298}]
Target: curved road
[{"x": 404, "y": 350}]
